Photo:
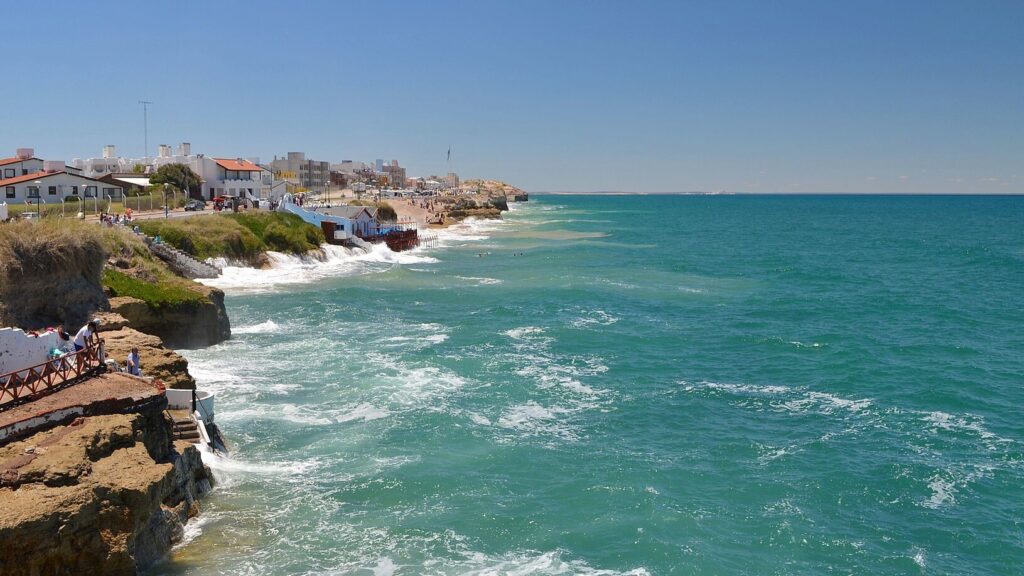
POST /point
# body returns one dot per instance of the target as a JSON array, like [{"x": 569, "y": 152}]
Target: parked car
[{"x": 193, "y": 205}]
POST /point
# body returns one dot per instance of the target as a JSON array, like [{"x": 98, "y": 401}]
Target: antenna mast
[{"x": 145, "y": 125}]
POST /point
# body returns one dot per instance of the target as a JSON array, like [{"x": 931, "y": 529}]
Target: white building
[
  {"x": 233, "y": 177},
  {"x": 52, "y": 184},
  {"x": 24, "y": 162}
]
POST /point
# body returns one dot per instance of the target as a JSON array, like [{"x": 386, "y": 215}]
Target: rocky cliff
[
  {"x": 181, "y": 325},
  {"x": 157, "y": 360},
  {"x": 106, "y": 494},
  {"x": 49, "y": 275}
]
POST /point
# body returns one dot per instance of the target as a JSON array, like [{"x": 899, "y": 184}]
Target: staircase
[
  {"x": 181, "y": 262},
  {"x": 185, "y": 427}
]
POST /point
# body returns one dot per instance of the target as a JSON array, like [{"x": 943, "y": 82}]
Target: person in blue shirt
[{"x": 134, "y": 368}]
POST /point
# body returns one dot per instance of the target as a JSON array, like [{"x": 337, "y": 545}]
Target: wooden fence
[{"x": 30, "y": 383}]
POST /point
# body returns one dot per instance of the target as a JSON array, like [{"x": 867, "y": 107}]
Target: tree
[{"x": 178, "y": 175}]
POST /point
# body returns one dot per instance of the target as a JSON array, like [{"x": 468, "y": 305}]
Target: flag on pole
[{"x": 449, "y": 153}]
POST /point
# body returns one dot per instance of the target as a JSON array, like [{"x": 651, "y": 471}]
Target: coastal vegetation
[
  {"x": 244, "y": 236},
  {"x": 158, "y": 296},
  {"x": 178, "y": 175}
]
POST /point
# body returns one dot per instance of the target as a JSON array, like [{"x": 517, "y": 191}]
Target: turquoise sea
[{"x": 631, "y": 385}]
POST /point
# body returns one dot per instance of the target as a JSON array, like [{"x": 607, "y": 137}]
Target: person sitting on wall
[
  {"x": 84, "y": 334},
  {"x": 132, "y": 363}
]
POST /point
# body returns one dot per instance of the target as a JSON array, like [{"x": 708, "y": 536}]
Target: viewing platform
[{"x": 107, "y": 393}]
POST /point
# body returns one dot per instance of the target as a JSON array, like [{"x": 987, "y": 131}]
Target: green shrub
[
  {"x": 242, "y": 236},
  {"x": 171, "y": 292}
]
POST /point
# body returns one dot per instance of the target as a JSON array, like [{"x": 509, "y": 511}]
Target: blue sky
[{"x": 752, "y": 96}]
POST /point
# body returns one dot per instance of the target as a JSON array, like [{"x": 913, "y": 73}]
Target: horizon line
[{"x": 697, "y": 193}]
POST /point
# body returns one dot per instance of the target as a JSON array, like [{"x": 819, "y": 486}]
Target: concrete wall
[{"x": 20, "y": 350}]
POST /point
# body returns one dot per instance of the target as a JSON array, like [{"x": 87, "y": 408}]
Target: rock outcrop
[
  {"x": 106, "y": 494},
  {"x": 48, "y": 278},
  {"x": 188, "y": 325},
  {"x": 157, "y": 361}
]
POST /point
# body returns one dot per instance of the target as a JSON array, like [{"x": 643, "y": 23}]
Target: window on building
[
  {"x": 10, "y": 191},
  {"x": 112, "y": 192},
  {"x": 53, "y": 190},
  {"x": 90, "y": 191},
  {"x": 9, "y": 173},
  {"x": 33, "y": 191},
  {"x": 74, "y": 190},
  {"x": 24, "y": 171}
]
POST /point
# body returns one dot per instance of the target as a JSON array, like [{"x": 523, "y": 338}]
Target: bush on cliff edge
[{"x": 243, "y": 236}]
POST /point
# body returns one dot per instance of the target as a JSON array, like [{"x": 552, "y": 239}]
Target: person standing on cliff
[
  {"x": 134, "y": 368},
  {"x": 84, "y": 335}
]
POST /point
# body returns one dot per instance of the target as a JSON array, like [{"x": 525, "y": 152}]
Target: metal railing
[{"x": 30, "y": 383}]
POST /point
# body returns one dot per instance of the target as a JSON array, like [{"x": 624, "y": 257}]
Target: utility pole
[{"x": 145, "y": 124}]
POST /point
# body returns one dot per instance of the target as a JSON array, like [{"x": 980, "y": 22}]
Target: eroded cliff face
[
  {"x": 189, "y": 325},
  {"x": 46, "y": 280},
  {"x": 157, "y": 360},
  {"x": 104, "y": 495}
]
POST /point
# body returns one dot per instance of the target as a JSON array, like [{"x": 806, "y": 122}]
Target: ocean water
[{"x": 631, "y": 385}]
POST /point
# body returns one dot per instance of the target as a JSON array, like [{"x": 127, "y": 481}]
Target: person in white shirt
[
  {"x": 84, "y": 334},
  {"x": 134, "y": 368}
]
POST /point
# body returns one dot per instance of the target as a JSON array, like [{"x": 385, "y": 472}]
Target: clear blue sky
[{"x": 756, "y": 96}]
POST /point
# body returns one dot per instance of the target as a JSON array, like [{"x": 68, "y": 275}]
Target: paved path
[{"x": 108, "y": 393}]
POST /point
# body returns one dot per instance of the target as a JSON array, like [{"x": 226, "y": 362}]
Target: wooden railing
[{"x": 34, "y": 381}]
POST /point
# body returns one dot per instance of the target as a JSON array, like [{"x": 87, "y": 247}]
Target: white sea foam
[
  {"x": 226, "y": 466},
  {"x": 194, "y": 528},
  {"x": 796, "y": 400},
  {"x": 919, "y": 557},
  {"x": 336, "y": 261},
  {"x": 385, "y": 567},
  {"x": 481, "y": 281},
  {"x": 943, "y": 492},
  {"x": 479, "y": 419},
  {"x": 524, "y": 332},
  {"x": 532, "y": 419},
  {"x": 267, "y": 327},
  {"x": 825, "y": 403},
  {"x": 594, "y": 318},
  {"x": 967, "y": 423},
  {"x": 799, "y": 344},
  {"x": 524, "y": 564}
]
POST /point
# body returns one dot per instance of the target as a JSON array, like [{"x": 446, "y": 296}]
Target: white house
[
  {"x": 233, "y": 177},
  {"x": 363, "y": 218},
  {"x": 53, "y": 185},
  {"x": 24, "y": 162}
]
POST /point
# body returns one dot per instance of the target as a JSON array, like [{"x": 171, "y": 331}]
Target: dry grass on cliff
[{"x": 36, "y": 247}]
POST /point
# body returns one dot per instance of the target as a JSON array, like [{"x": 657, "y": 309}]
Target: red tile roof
[
  {"x": 237, "y": 164},
  {"x": 40, "y": 175},
  {"x": 15, "y": 160},
  {"x": 27, "y": 177}
]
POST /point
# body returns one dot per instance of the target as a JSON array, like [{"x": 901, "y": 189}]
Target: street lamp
[{"x": 39, "y": 196}]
